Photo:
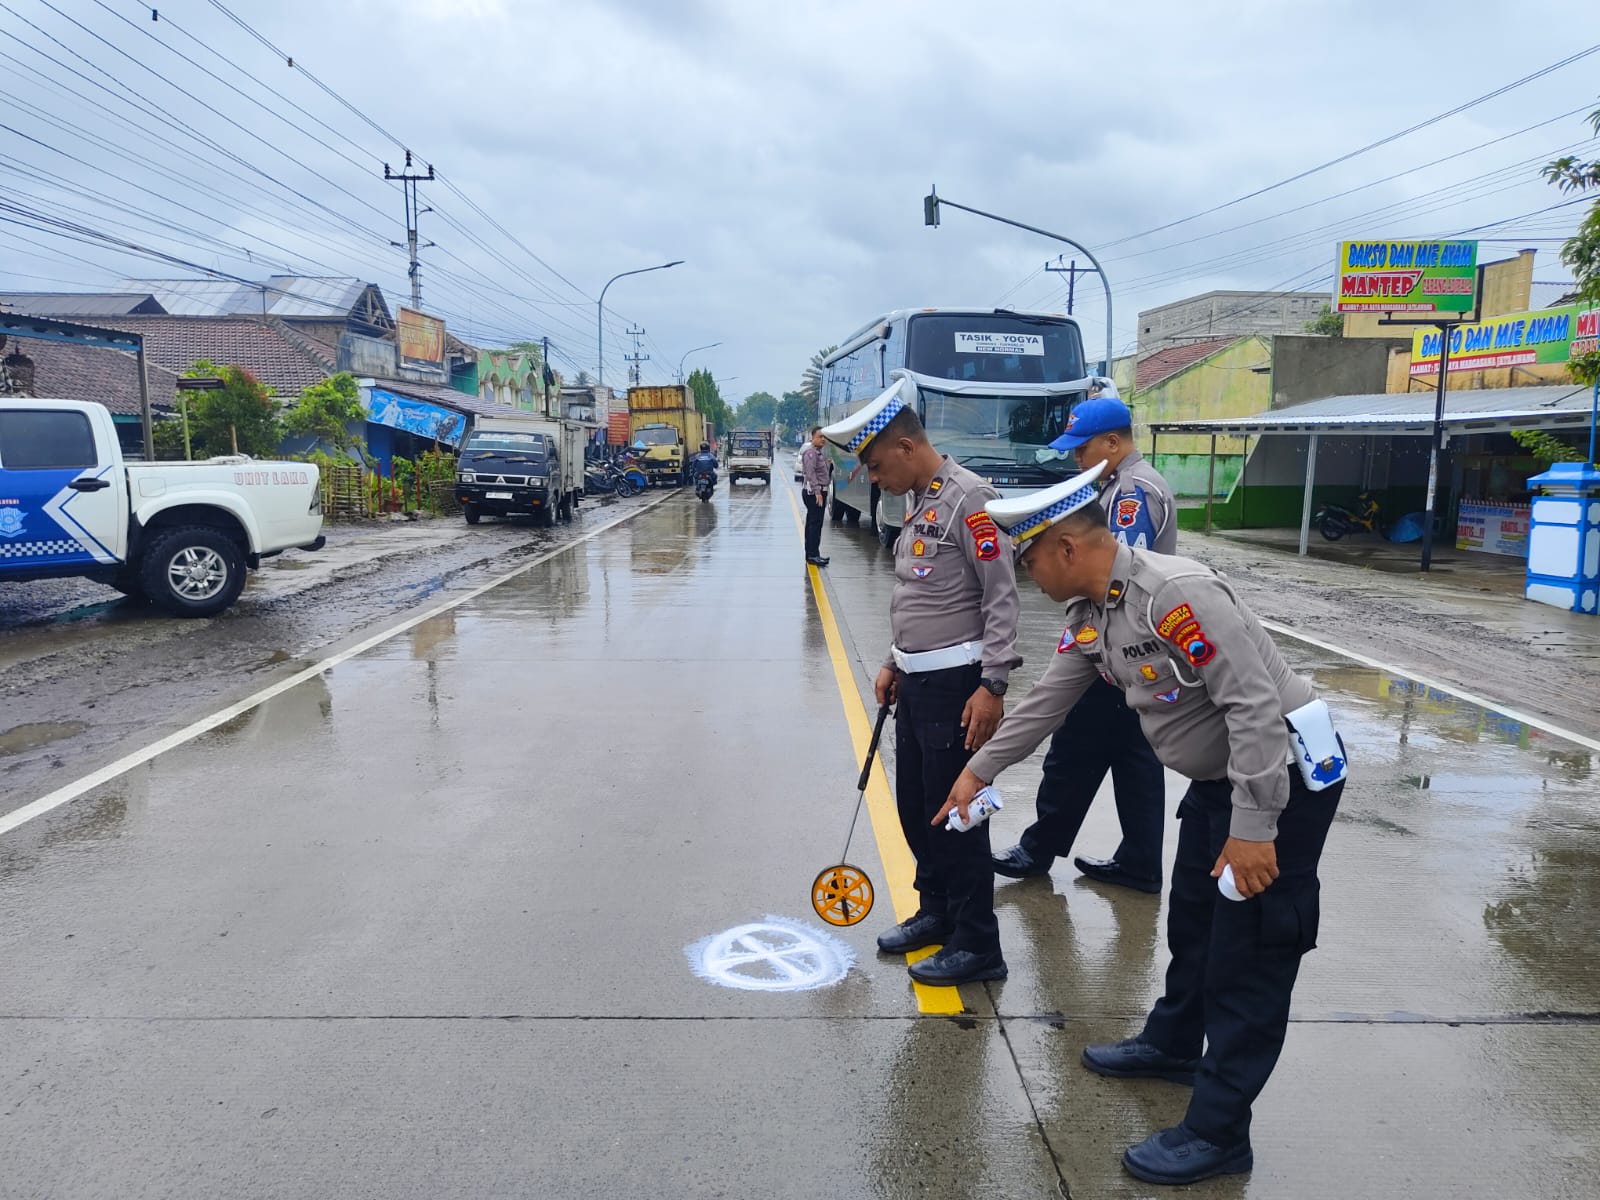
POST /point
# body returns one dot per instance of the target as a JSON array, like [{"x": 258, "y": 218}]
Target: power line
[{"x": 1346, "y": 157}]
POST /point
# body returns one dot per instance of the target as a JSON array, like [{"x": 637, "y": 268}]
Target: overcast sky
[{"x": 780, "y": 149}]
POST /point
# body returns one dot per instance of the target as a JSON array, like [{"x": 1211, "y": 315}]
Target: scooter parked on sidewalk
[{"x": 1334, "y": 521}]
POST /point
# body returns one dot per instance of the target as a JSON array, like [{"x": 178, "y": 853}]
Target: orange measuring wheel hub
[{"x": 842, "y": 895}]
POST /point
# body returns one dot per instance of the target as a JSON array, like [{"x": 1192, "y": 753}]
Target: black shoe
[
  {"x": 1017, "y": 863},
  {"x": 951, "y": 966},
  {"x": 1109, "y": 870},
  {"x": 817, "y": 562},
  {"x": 924, "y": 929},
  {"x": 1135, "y": 1059},
  {"x": 1179, "y": 1156}
]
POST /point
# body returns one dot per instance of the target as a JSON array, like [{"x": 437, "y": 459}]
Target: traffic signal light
[{"x": 930, "y": 209}]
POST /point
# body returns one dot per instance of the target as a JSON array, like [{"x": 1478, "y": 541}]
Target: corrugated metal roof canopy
[
  {"x": 1486, "y": 410},
  {"x": 303, "y": 296}
]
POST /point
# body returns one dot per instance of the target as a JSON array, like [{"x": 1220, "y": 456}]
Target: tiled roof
[
  {"x": 1157, "y": 368},
  {"x": 282, "y": 359},
  {"x": 109, "y": 377}
]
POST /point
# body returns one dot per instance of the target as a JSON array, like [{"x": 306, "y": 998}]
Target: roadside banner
[
  {"x": 1548, "y": 336},
  {"x": 421, "y": 340},
  {"x": 1406, "y": 277}
]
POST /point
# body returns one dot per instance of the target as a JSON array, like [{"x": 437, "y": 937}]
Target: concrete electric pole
[{"x": 409, "y": 182}]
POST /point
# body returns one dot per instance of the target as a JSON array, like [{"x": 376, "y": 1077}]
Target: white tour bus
[{"x": 994, "y": 388}]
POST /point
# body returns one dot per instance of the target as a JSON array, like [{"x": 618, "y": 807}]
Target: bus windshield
[
  {"x": 994, "y": 347},
  {"x": 999, "y": 436}
]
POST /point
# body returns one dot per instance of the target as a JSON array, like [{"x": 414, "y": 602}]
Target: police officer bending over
[
  {"x": 954, "y": 620},
  {"x": 1220, "y": 706},
  {"x": 1102, "y": 733}
]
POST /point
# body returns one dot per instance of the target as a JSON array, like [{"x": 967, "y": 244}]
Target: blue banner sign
[{"x": 415, "y": 416}]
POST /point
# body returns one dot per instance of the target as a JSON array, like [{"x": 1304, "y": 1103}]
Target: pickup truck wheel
[
  {"x": 471, "y": 513},
  {"x": 193, "y": 571}
]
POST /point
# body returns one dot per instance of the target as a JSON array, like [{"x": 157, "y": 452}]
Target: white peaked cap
[
  {"x": 854, "y": 432},
  {"x": 1026, "y": 517}
]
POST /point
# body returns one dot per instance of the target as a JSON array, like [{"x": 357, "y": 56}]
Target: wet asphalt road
[{"x": 418, "y": 927}]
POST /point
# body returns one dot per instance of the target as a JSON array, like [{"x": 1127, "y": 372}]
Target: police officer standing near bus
[
  {"x": 954, "y": 621},
  {"x": 1220, "y": 706},
  {"x": 1101, "y": 733}
]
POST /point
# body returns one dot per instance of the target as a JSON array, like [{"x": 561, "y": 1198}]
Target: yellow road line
[{"x": 899, "y": 868}]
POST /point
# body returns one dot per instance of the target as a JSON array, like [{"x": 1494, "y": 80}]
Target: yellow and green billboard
[
  {"x": 1547, "y": 336},
  {"x": 1407, "y": 277}
]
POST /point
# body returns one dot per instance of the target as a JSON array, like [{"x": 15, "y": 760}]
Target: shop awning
[{"x": 1400, "y": 414}]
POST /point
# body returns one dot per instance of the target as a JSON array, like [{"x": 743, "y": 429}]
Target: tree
[
  {"x": 795, "y": 416},
  {"x": 326, "y": 410},
  {"x": 583, "y": 379},
  {"x": 758, "y": 411},
  {"x": 811, "y": 378},
  {"x": 708, "y": 399},
  {"x": 241, "y": 409},
  {"x": 1327, "y": 323},
  {"x": 1582, "y": 250}
]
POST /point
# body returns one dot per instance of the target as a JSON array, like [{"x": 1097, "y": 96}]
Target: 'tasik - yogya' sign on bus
[{"x": 1407, "y": 277}]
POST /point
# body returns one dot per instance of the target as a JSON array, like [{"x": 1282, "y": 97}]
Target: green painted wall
[
  {"x": 1280, "y": 507},
  {"x": 1233, "y": 382}
]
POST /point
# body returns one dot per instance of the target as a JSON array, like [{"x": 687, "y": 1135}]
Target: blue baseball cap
[{"x": 1090, "y": 419}]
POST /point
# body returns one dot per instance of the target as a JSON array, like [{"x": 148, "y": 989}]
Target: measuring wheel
[{"x": 842, "y": 895}]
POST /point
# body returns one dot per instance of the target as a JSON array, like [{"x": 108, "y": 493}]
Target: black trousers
[
  {"x": 1101, "y": 734},
  {"x": 955, "y": 878},
  {"x": 1234, "y": 963},
  {"x": 815, "y": 511}
]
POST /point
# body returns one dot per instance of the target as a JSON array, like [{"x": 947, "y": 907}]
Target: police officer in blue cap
[{"x": 1102, "y": 733}]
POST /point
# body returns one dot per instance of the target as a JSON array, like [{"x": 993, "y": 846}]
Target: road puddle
[{"x": 22, "y": 738}]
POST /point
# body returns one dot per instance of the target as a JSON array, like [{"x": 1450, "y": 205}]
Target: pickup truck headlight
[{"x": 467, "y": 477}]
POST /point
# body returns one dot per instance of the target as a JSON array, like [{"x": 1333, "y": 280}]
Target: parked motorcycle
[
  {"x": 1334, "y": 521},
  {"x": 704, "y": 484}
]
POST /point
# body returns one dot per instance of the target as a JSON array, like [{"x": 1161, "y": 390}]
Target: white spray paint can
[
  {"x": 984, "y": 805},
  {"x": 1227, "y": 886}
]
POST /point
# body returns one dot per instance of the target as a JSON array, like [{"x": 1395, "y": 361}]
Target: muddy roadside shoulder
[{"x": 1503, "y": 648}]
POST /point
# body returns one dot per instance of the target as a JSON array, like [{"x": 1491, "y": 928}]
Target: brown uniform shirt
[
  {"x": 1210, "y": 688},
  {"x": 955, "y": 580}
]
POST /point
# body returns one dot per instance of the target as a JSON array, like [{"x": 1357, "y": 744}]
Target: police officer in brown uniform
[
  {"x": 954, "y": 621},
  {"x": 1220, "y": 706},
  {"x": 1102, "y": 733}
]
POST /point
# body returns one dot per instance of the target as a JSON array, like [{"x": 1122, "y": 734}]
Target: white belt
[{"x": 923, "y": 661}]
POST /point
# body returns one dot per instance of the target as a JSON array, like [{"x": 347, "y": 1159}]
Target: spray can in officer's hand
[{"x": 984, "y": 805}]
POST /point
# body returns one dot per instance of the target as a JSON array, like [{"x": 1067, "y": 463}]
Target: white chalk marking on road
[
  {"x": 1515, "y": 714},
  {"x": 775, "y": 954},
  {"x": 72, "y": 791}
]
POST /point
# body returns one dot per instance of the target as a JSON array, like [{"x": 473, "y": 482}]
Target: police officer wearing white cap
[
  {"x": 1101, "y": 733},
  {"x": 1220, "y": 706},
  {"x": 953, "y": 616}
]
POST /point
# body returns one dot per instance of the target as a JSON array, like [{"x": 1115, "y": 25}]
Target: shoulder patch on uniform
[
  {"x": 935, "y": 487},
  {"x": 985, "y": 535},
  {"x": 1127, "y": 511},
  {"x": 1087, "y": 636},
  {"x": 931, "y": 514},
  {"x": 1196, "y": 648},
  {"x": 1174, "y": 620}
]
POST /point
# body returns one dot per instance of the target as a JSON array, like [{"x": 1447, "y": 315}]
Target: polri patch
[
  {"x": 918, "y": 548},
  {"x": 1127, "y": 513},
  {"x": 985, "y": 535},
  {"x": 1197, "y": 649},
  {"x": 931, "y": 514},
  {"x": 1087, "y": 636}
]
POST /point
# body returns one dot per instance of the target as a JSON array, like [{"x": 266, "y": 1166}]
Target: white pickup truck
[{"x": 180, "y": 534}]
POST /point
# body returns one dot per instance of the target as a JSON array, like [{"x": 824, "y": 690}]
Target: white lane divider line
[
  {"x": 1515, "y": 714},
  {"x": 78, "y": 787}
]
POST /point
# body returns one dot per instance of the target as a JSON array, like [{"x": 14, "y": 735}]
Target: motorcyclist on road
[{"x": 704, "y": 463}]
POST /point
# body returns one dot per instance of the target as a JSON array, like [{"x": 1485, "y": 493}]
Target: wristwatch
[{"x": 995, "y": 687}]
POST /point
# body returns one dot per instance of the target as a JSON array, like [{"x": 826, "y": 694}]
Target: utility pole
[
  {"x": 1071, "y": 271},
  {"x": 408, "y": 182},
  {"x": 633, "y": 360}
]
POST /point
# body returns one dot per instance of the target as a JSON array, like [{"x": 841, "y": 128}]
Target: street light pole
[
  {"x": 600, "y": 314},
  {"x": 930, "y": 216},
  {"x": 686, "y": 354}
]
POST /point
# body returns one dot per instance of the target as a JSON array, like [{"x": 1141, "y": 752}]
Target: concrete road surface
[{"x": 457, "y": 916}]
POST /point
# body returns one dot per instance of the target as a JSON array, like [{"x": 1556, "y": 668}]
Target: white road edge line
[
  {"x": 1449, "y": 688},
  {"x": 77, "y": 788}
]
